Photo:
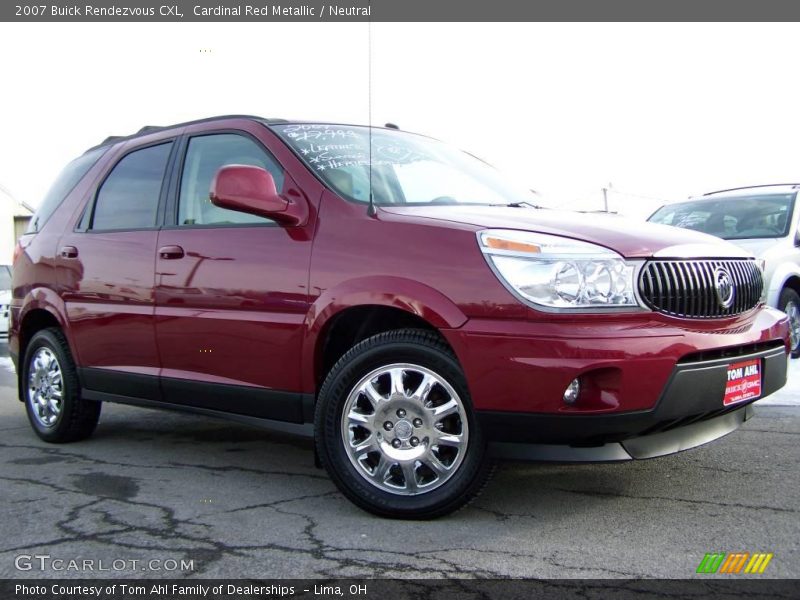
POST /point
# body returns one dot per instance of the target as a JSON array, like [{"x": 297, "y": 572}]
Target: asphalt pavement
[{"x": 156, "y": 494}]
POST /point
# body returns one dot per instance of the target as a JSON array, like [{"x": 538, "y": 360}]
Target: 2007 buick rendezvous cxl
[{"x": 246, "y": 268}]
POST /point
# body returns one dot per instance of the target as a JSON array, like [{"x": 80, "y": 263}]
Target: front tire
[
  {"x": 789, "y": 302},
  {"x": 395, "y": 428},
  {"x": 51, "y": 392}
]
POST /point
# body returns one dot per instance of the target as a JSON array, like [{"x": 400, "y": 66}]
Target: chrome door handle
[{"x": 170, "y": 252}]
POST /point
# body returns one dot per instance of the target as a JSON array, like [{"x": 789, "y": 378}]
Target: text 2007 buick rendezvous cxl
[{"x": 246, "y": 267}]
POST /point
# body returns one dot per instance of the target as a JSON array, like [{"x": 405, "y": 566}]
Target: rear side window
[
  {"x": 62, "y": 186},
  {"x": 128, "y": 198}
]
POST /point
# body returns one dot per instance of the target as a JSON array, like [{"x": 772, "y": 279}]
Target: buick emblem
[
  {"x": 403, "y": 430},
  {"x": 723, "y": 285}
]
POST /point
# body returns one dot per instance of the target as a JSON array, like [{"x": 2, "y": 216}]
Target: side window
[
  {"x": 204, "y": 157},
  {"x": 62, "y": 186},
  {"x": 128, "y": 198}
]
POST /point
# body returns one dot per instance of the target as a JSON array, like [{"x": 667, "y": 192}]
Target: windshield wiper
[{"x": 522, "y": 204}]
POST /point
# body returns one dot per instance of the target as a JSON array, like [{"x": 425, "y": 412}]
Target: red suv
[{"x": 386, "y": 294}]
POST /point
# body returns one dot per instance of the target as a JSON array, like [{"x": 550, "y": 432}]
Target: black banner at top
[{"x": 397, "y": 10}]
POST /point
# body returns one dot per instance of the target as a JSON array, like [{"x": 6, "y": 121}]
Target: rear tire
[
  {"x": 51, "y": 392},
  {"x": 395, "y": 428},
  {"x": 789, "y": 302}
]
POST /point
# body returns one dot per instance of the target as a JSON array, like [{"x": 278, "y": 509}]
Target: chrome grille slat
[
  {"x": 734, "y": 270},
  {"x": 696, "y": 292},
  {"x": 674, "y": 292},
  {"x": 666, "y": 291},
  {"x": 747, "y": 295},
  {"x": 755, "y": 275},
  {"x": 648, "y": 283},
  {"x": 740, "y": 301},
  {"x": 679, "y": 284},
  {"x": 706, "y": 290},
  {"x": 687, "y": 288},
  {"x": 750, "y": 277}
]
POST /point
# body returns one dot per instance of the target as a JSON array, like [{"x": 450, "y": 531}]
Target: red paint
[
  {"x": 525, "y": 366},
  {"x": 250, "y": 305}
]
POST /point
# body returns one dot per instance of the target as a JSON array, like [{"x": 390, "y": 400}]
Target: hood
[
  {"x": 757, "y": 247},
  {"x": 628, "y": 237}
]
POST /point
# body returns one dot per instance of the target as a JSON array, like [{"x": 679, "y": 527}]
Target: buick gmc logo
[{"x": 723, "y": 285}]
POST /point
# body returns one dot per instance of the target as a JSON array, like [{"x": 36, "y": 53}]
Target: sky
[{"x": 658, "y": 112}]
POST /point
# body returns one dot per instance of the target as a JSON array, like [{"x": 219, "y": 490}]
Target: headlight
[{"x": 559, "y": 273}]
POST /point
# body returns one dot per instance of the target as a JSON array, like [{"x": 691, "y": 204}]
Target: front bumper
[
  {"x": 689, "y": 413},
  {"x": 657, "y": 383},
  {"x": 525, "y": 366}
]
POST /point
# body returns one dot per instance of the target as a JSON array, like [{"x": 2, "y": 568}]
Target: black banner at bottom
[{"x": 393, "y": 589}]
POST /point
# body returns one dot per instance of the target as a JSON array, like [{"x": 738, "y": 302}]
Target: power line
[
  {"x": 371, "y": 208},
  {"x": 6, "y": 191}
]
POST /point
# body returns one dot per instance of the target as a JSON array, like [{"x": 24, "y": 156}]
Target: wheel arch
[
  {"x": 344, "y": 315},
  {"x": 792, "y": 282},
  {"x": 785, "y": 276},
  {"x": 42, "y": 309}
]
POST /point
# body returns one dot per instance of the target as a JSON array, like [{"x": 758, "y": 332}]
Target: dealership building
[{"x": 14, "y": 218}]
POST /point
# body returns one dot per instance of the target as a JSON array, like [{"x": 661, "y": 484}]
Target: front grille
[
  {"x": 731, "y": 351},
  {"x": 688, "y": 288}
]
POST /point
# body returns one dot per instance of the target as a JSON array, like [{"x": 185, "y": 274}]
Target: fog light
[{"x": 573, "y": 391}]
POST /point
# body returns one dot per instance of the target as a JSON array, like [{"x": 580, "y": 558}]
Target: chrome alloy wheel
[
  {"x": 793, "y": 312},
  {"x": 405, "y": 429},
  {"x": 45, "y": 387}
]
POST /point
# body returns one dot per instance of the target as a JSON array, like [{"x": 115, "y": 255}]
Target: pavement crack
[{"x": 167, "y": 466}]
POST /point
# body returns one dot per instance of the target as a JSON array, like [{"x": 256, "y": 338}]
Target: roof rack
[
  {"x": 113, "y": 139},
  {"x": 149, "y": 129},
  {"x": 747, "y": 187}
]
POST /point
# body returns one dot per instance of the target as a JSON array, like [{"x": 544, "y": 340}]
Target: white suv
[
  {"x": 5, "y": 298},
  {"x": 762, "y": 220}
]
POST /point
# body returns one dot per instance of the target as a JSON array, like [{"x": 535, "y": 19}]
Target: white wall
[{"x": 8, "y": 208}]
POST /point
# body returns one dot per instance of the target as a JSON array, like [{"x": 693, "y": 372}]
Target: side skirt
[
  {"x": 305, "y": 430},
  {"x": 288, "y": 412}
]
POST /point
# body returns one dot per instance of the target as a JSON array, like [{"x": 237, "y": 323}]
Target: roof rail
[
  {"x": 148, "y": 129},
  {"x": 153, "y": 128},
  {"x": 747, "y": 187},
  {"x": 111, "y": 139}
]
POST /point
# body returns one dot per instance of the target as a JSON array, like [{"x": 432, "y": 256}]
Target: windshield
[
  {"x": 406, "y": 168},
  {"x": 737, "y": 218}
]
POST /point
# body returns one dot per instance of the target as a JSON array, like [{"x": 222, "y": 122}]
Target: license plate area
[{"x": 743, "y": 382}]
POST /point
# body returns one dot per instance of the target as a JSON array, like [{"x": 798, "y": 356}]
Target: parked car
[
  {"x": 762, "y": 220},
  {"x": 386, "y": 294},
  {"x": 5, "y": 298}
]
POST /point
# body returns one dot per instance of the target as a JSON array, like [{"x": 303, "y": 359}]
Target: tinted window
[
  {"x": 204, "y": 157},
  {"x": 129, "y": 196},
  {"x": 63, "y": 185},
  {"x": 733, "y": 218}
]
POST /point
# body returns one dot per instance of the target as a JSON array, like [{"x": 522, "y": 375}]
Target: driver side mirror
[{"x": 251, "y": 190}]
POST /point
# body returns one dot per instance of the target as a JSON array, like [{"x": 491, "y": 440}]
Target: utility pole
[{"x": 605, "y": 199}]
